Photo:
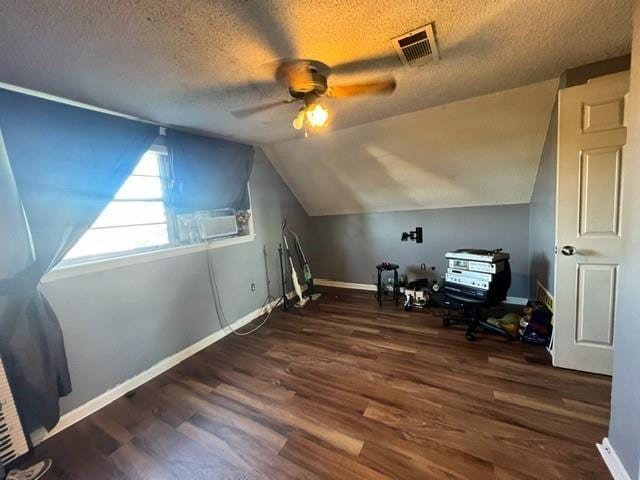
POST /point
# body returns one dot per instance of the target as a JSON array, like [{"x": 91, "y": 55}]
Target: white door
[{"x": 591, "y": 134}]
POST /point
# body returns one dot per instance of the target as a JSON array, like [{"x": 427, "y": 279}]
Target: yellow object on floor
[{"x": 509, "y": 323}]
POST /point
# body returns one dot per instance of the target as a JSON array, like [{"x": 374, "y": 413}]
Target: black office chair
[{"x": 473, "y": 313}]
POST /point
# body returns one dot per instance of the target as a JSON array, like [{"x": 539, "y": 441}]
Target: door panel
[
  {"x": 600, "y": 180},
  {"x": 601, "y": 116},
  {"x": 596, "y": 304},
  {"x": 591, "y": 136}
]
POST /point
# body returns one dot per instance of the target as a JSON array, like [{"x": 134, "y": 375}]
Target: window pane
[
  {"x": 119, "y": 239},
  {"x": 140, "y": 188},
  {"x": 148, "y": 165},
  {"x": 131, "y": 213}
]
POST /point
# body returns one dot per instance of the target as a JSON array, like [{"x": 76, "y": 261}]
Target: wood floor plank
[
  {"x": 470, "y": 435},
  {"x": 243, "y": 450},
  {"x": 295, "y": 418},
  {"x": 543, "y": 405},
  {"x": 399, "y": 466},
  {"x": 350, "y": 390},
  {"x": 326, "y": 462},
  {"x": 182, "y": 456},
  {"x": 261, "y": 433},
  {"x": 138, "y": 465}
]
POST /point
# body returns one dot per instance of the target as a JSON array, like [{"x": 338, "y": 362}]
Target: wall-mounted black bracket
[{"x": 414, "y": 235}]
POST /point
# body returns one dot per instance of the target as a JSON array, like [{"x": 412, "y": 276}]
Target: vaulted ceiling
[
  {"x": 191, "y": 62},
  {"x": 479, "y": 151}
]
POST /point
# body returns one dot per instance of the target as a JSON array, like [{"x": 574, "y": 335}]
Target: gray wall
[
  {"x": 348, "y": 247},
  {"x": 542, "y": 212},
  {"x": 119, "y": 322},
  {"x": 624, "y": 430}
]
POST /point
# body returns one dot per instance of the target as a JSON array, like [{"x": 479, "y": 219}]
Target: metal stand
[
  {"x": 386, "y": 267},
  {"x": 270, "y": 298},
  {"x": 286, "y": 303}
]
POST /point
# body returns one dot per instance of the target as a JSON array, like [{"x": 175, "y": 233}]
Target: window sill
[{"x": 98, "y": 265}]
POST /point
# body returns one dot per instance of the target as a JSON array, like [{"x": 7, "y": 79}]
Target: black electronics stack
[{"x": 478, "y": 274}]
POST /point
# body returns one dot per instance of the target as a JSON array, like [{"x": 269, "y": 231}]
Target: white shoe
[{"x": 34, "y": 472}]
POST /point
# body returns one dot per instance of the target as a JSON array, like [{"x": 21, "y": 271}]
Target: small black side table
[{"x": 387, "y": 267}]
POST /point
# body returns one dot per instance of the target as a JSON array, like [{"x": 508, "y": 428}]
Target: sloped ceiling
[
  {"x": 480, "y": 151},
  {"x": 191, "y": 62}
]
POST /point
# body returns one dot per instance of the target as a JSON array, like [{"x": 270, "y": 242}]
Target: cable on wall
[{"x": 217, "y": 302}]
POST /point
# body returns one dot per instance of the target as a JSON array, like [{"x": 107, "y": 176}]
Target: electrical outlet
[
  {"x": 253, "y": 287},
  {"x": 423, "y": 267}
]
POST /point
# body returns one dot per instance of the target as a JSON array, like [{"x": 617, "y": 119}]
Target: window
[
  {"x": 139, "y": 219},
  {"x": 136, "y": 219}
]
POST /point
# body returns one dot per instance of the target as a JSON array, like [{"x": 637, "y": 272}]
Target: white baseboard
[
  {"x": 610, "y": 457},
  {"x": 354, "y": 286},
  {"x": 372, "y": 288},
  {"x": 162, "y": 366}
]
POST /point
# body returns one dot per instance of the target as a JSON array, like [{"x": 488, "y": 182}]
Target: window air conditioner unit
[
  {"x": 211, "y": 225},
  {"x": 13, "y": 442}
]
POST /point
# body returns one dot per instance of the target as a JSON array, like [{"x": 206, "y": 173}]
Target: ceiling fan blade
[
  {"x": 295, "y": 73},
  {"x": 379, "y": 87},
  {"x": 267, "y": 23},
  {"x": 367, "y": 65},
  {"x": 260, "y": 108}
]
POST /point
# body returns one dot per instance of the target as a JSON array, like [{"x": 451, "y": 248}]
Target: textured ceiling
[
  {"x": 191, "y": 62},
  {"x": 479, "y": 151}
]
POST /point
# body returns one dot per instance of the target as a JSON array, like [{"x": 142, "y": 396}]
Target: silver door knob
[{"x": 568, "y": 250}]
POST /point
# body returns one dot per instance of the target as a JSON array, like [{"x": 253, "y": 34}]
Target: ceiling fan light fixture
[
  {"x": 306, "y": 81},
  {"x": 298, "y": 122},
  {"x": 317, "y": 115}
]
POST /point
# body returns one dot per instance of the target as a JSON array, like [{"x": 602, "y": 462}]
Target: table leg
[{"x": 395, "y": 286}]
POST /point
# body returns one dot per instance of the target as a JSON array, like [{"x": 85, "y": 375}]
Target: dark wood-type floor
[{"x": 348, "y": 391}]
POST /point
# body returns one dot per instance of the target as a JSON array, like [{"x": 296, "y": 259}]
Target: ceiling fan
[{"x": 306, "y": 81}]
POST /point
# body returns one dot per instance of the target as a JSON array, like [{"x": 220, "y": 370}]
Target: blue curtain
[
  {"x": 209, "y": 173},
  {"x": 67, "y": 163}
]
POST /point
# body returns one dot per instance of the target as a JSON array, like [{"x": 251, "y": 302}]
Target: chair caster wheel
[
  {"x": 470, "y": 336},
  {"x": 446, "y": 322}
]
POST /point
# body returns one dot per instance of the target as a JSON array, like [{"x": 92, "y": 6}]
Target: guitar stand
[{"x": 284, "y": 301}]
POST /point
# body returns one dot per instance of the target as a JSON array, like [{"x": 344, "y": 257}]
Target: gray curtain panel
[
  {"x": 67, "y": 163},
  {"x": 209, "y": 173}
]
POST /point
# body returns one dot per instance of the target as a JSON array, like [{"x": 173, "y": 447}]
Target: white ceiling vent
[{"x": 417, "y": 47}]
